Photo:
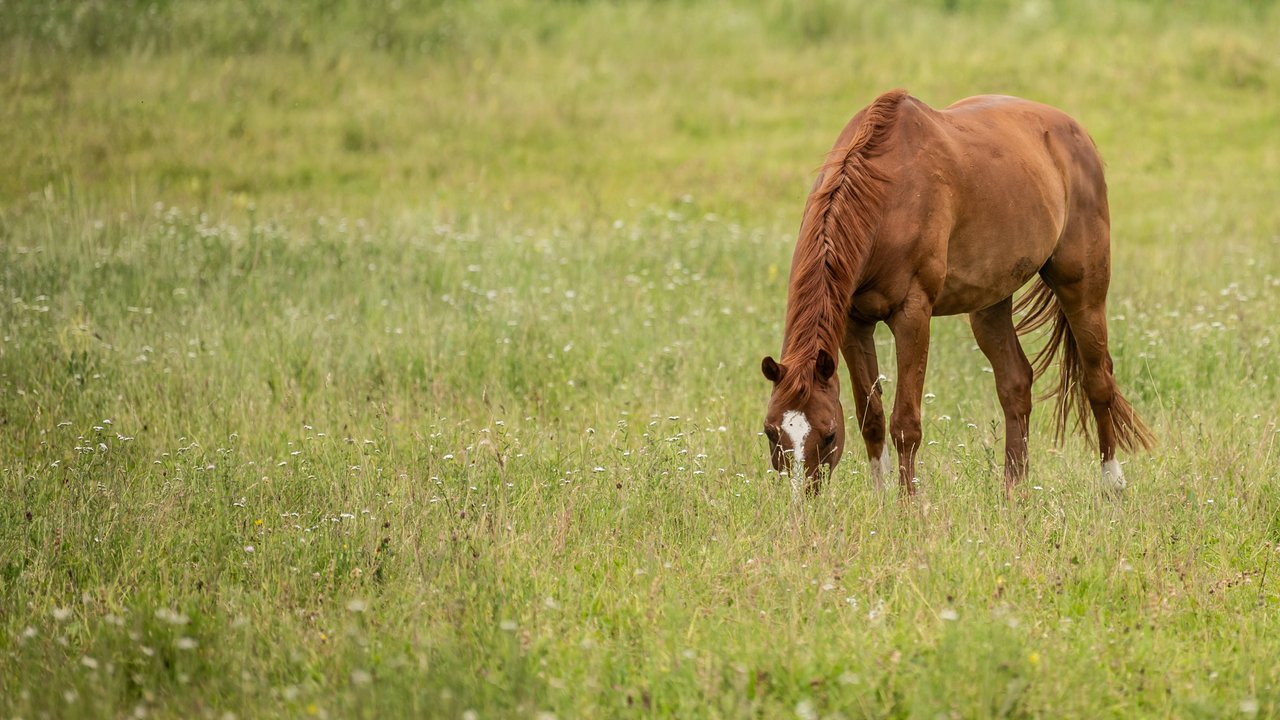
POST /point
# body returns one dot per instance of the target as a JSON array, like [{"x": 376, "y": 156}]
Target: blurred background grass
[{"x": 583, "y": 109}]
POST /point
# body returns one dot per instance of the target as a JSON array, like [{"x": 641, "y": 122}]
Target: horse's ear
[
  {"x": 826, "y": 366},
  {"x": 772, "y": 370}
]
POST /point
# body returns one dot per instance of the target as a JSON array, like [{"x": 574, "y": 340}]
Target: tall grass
[{"x": 402, "y": 360}]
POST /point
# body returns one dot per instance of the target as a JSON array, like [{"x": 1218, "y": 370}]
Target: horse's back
[
  {"x": 1040, "y": 145},
  {"x": 1005, "y": 176},
  {"x": 1036, "y": 129}
]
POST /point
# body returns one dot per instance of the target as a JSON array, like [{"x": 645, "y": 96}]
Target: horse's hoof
[{"x": 1113, "y": 477}]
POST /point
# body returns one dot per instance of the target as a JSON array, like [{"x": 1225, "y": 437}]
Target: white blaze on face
[
  {"x": 796, "y": 426},
  {"x": 1112, "y": 476}
]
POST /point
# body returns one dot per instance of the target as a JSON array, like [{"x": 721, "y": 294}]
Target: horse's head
[{"x": 804, "y": 421}]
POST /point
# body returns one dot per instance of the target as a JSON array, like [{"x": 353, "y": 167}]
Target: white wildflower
[{"x": 172, "y": 617}]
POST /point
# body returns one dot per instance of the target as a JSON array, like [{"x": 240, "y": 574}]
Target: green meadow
[{"x": 401, "y": 359}]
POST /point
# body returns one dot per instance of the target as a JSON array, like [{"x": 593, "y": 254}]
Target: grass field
[{"x": 401, "y": 359}]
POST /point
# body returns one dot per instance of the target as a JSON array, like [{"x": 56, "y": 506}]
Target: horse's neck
[{"x": 803, "y": 334}]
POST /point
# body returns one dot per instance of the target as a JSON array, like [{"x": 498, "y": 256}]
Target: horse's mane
[{"x": 840, "y": 218}]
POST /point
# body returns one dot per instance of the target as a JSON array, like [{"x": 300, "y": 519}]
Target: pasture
[{"x": 402, "y": 359}]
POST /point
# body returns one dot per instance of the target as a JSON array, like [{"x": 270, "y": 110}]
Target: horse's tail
[{"x": 1040, "y": 307}]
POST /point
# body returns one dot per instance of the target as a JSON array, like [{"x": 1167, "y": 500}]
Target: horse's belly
[{"x": 981, "y": 285}]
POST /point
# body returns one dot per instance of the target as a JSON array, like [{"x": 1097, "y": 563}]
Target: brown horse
[{"x": 917, "y": 213}]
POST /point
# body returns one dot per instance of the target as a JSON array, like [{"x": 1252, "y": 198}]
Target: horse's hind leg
[
  {"x": 864, "y": 373},
  {"x": 993, "y": 329},
  {"x": 1079, "y": 274},
  {"x": 1089, "y": 326}
]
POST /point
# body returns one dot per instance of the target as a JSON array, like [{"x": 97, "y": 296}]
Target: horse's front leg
[
  {"x": 910, "y": 326},
  {"x": 864, "y": 374}
]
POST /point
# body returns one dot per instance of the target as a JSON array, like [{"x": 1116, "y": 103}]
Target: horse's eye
[
  {"x": 829, "y": 439},
  {"x": 772, "y": 433}
]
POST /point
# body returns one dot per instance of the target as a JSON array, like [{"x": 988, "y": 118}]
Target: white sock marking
[
  {"x": 880, "y": 466},
  {"x": 1112, "y": 475}
]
